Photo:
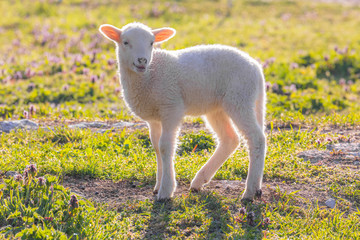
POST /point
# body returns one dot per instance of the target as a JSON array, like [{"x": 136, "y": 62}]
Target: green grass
[
  {"x": 54, "y": 61},
  {"x": 129, "y": 156},
  {"x": 39, "y": 208}
]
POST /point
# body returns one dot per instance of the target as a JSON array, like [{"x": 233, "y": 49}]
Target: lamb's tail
[{"x": 260, "y": 103}]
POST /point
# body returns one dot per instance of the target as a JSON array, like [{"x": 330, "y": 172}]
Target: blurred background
[{"x": 55, "y": 65}]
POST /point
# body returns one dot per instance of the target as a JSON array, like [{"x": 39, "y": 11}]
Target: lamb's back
[{"x": 201, "y": 75}]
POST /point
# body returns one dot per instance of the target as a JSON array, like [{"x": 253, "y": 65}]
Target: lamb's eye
[
  {"x": 126, "y": 43},
  {"x": 152, "y": 43}
]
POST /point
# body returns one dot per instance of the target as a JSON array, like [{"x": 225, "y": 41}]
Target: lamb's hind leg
[
  {"x": 155, "y": 133},
  {"x": 228, "y": 140},
  {"x": 246, "y": 121}
]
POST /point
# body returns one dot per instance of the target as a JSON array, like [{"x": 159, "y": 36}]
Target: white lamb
[{"x": 161, "y": 87}]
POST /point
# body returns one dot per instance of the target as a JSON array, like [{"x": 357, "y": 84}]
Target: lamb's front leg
[
  {"x": 167, "y": 150},
  {"x": 155, "y": 133}
]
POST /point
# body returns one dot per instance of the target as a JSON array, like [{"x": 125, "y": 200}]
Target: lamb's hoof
[
  {"x": 155, "y": 191},
  {"x": 195, "y": 190},
  {"x": 246, "y": 201},
  {"x": 164, "y": 195},
  {"x": 258, "y": 194},
  {"x": 163, "y": 200},
  {"x": 198, "y": 183}
]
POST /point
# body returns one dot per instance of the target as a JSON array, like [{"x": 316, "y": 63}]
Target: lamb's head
[{"x": 135, "y": 43}]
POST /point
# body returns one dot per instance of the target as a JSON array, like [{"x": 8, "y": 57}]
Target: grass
[
  {"x": 39, "y": 208},
  {"x": 55, "y": 67}
]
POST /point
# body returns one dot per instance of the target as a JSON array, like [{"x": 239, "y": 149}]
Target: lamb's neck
[{"x": 132, "y": 83}]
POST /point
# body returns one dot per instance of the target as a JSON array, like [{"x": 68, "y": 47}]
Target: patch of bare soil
[
  {"x": 346, "y": 134},
  {"x": 344, "y": 154},
  {"x": 116, "y": 193}
]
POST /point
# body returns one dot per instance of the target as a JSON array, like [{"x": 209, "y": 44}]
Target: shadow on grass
[
  {"x": 251, "y": 223},
  {"x": 204, "y": 215},
  {"x": 159, "y": 220}
]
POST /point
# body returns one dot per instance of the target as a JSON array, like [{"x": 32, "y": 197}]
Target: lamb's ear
[
  {"x": 111, "y": 32},
  {"x": 163, "y": 34}
]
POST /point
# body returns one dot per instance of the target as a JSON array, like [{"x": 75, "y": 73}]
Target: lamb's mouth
[{"x": 140, "y": 68}]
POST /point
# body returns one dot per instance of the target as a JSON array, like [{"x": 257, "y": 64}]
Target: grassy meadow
[{"x": 56, "y": 68}]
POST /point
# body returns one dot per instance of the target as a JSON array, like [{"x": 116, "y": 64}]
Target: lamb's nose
[{"x": 142, "y": 60}]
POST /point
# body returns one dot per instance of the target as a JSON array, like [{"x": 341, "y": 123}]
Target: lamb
[{"x": 219, "y": 82}]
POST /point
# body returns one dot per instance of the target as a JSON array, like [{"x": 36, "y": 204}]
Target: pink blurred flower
[
  {"x": 102, "y": 76},
  {"x": 53, "y": 44},
  {"x": 29, "y": 73},
  {"x": 16, "y": 42},
  {"x": 32, "y": 109},
  {"x": 265, "y": 65},
  {"x": 292, "y": 88},
  {"x": 26, "y": 173},
  {"x": 267, "y": 86},
  {"x": 77, "y": 58},
  {"x": 111, "y": 62},
  {"x": 275, "y": 87},
  {"x": 155, "y": 12},
  {"x": 30, "y": 87},
  {"x": 342, "y": 82},
  {"x": 117, "y": 90},
  {"x": 18, "y": 178},
  {"x": 11, "y": 59},
  {"x": 294, "y": 65},
  {"x": 26, "y": 114},
  {"x": 32, "y": 169},
  {"x": 6, "y": 80},
  {"x": 53, "y": 59},
  {"x": 242, "y": 211},
  {"x": 73, "y": 202},
  {"x": 94, "y": 78},
  {"x": 250, "y": 218},
  {"x": 286, "y": 16},
  {"x": 18, "y": 75},
  {"x": 50, "y": 219},
  {"x": 34, "y": 64},
  {"x": 271, "y": 60},
  {"x": 345, "y": 50},
  {"x": 268, "y": 62},
  {"x": 41, "y": 181},
  {"x": 85, "y": 71}
]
